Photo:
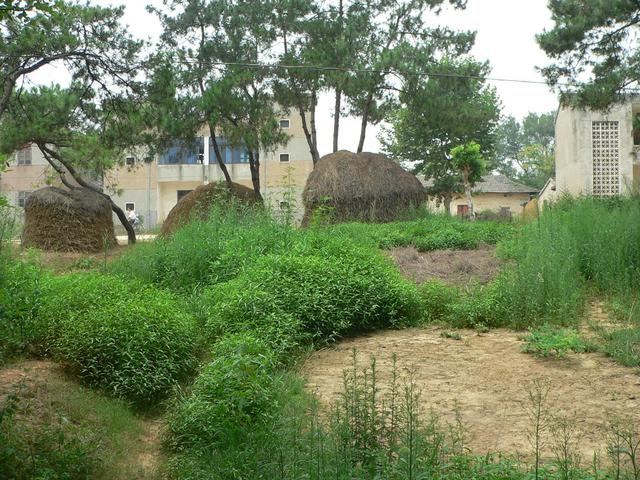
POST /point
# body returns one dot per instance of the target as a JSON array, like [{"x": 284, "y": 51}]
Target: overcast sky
[{"x": 506, "y": 32}]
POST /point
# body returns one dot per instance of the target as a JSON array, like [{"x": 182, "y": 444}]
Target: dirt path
[{"x": 488, "y": 376}]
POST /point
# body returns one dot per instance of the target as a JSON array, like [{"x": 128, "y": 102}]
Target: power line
[{"x": 326, "y": 68}]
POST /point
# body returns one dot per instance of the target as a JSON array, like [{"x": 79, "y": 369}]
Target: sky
[{"x": 505, "y": 37}]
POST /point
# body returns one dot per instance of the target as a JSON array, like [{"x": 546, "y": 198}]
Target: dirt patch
[
  {"x": 487, "y": 375},
  {"x": 453, "y": 267}
]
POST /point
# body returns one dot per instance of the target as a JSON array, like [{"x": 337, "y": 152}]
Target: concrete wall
[
  {"x": 574, "y": 148},
  {"x": 488, "y": 202},
  {"x": 24, "y": 178}
]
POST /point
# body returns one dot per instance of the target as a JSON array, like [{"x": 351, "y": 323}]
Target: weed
[
  {"x": 451, "y": 335},
  {"x": 547, "y": 341}
]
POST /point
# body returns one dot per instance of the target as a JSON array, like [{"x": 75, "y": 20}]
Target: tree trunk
[
  {"x": 446, "y": 199},
  {"x": 467, "y": 191},
  {"x": 336, "y": 118},
  {"x": 365, "y": 121},
  {"x": 131, "y": 233},
  {"x": 216, "y": 149},
  {"x": 308, "y": 135},
  {"x": 254, "y": 166},
  {"x": 314, "y": 133}
]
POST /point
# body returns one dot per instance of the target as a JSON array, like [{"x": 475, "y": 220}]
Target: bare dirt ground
[
  {"x": 453, "y": 267},
  {"x": 488, "y": 376}
]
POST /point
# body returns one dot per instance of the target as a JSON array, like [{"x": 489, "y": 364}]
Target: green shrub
[
  {"x": 47, "y": 451},
  {"x": 438, "y": 300},
  {"x": 206, "y": 252},
  {"x": 548, "y": 340},
  {"x": 234, "y": 392},
  {"x": 131, "y": 340},
  {"x": 445, "y": 239},
  {"x": 624, "y": 346},
  {"x": 19, "y": 299},
  {"x": 327, "y": 296}
]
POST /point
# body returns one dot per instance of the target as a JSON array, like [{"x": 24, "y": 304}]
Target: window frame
[
  {"x": 21, "y": 156},
  {"x": 288, "y": 160},
  {"x": 22, "y": 197},
  {"x": 129, "y": 203},
  {"x": 126, "y": 161},
  {"x": 288, "y": 120}
]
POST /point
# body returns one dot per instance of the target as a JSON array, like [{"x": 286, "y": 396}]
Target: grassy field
[{"x": 206, "y": 329}]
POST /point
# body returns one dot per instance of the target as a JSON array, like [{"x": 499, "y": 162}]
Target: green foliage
[
  {"x": 599, "y": 41},
  {"x": 624, "y": 345},
  {"x": 524, "y": 151},
  {"x": 437, "y": 300},
  {"x": 233, "y": 394},
  {"x": 205, "y": 253},
  {"x": 315, "y": 298},
  {"x": 550, "y": 341},
  {"x": 19, "y": 291},
  {"x": 134, "y": 341},
  {"x": 19, "y": 301},
  {"x": 42, "y": 451}
]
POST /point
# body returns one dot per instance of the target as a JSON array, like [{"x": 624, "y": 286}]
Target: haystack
[
  {"x": 197, "y": 204},
  {"x": 67, "y": 221},
  {"x": 360, "y": 187}
]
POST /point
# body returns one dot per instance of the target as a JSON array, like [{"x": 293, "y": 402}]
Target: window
[
  {"x": 182, "y": 193},
  {"x": 130, "y": 161},
  {"x": 23, "y": 156},
  {"x": 22, "y": 198},
  {"x": 284, "y": 157},
  {"x": 605, "y": 138},
  {"x": 284, "y": 205},
  {"x": 285, "y": 123},
  {"x": 129, "y": 206}
]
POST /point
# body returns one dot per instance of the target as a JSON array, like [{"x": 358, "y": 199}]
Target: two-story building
[
  {"x": 154, "y": 188},
  {"x": 597, "y": 152}
]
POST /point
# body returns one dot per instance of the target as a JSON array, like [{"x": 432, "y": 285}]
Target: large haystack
[
  {"x": 198, "y": 203},
  {"x": 360, "y": 187},
  {"x": 67, "y": 221}
]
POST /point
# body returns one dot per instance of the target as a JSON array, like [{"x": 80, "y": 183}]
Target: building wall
[
  {"x": 574, "y": 147},
  {"x": 489, "y": 202},
  {"x": 153, "y": 188},
  {"x": 24, "y": 178}
]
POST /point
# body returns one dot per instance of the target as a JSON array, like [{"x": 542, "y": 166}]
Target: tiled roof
[{"x": 494, "y": 184}]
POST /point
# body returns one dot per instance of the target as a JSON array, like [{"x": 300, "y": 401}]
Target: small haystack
[
  {"x": 198, "y": 203},
  {"x": 67, "y": 221},
  {"x": 360, "y": 187}
]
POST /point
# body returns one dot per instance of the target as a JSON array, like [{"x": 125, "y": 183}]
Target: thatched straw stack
[
  {"x": 67, "y": 221},
  {"x": 360, "y": 187},
  {"x": 197, "y": 204}
]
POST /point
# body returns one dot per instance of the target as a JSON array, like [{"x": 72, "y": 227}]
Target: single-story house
[{"x": 495, "y": 193}]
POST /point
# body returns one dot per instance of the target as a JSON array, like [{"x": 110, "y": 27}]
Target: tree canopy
[
  {"x": 597, "y": 40},
  {"x": 440, "y": 113},
  {"x": 525, "y": 151},
  {"x": 84, "y": 129}
]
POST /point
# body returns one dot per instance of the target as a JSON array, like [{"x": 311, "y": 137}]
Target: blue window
[
  {"x": 230, "y": 153},
  {"x": 179, "y": 153}
]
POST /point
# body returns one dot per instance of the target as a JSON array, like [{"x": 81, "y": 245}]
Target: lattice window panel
[{"x": 605, "y": 137}]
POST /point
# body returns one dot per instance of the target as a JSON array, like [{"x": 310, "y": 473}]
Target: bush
[
  {"x": 547, "y": 341},
  {"x": 233, "y": 393},
  {"x": 438, "y": 300},
  {"x": 314, "y": 298},
  {"x": 206, "y": 252},
  {"x": 131, "y": 340},
  {"x": 19, "y": 299}
]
